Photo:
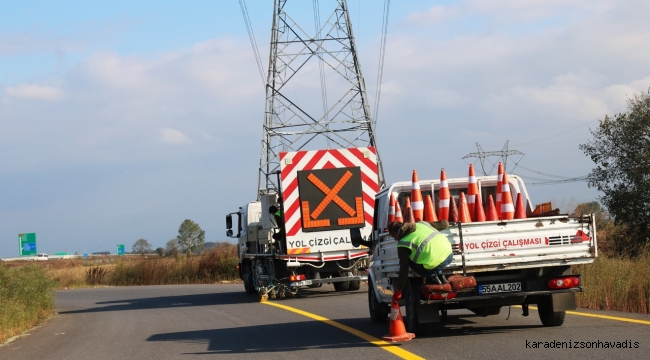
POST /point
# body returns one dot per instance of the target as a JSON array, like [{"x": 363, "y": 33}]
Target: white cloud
[
  {"x": 173, "y": 136},
  {"x": 433, "y": 16},
  {"x": 35, "y": 92}
]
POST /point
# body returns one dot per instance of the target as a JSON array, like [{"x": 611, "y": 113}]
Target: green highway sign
[
  {"x": 120, "y": 249},
  {"x": 27, "y": 243}
]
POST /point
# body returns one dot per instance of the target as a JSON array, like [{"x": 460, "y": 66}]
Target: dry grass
[{"x": 616, "y": 284}]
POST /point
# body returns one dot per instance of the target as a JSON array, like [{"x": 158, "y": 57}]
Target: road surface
[{"x": 192, "y": 321}]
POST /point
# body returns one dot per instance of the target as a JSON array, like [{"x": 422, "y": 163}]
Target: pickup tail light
[
  {"x": 565, "y": 282},
  {"x": 297, "y": 277}
]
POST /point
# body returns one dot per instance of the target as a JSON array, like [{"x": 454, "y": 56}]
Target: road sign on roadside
[
  {"x": 120, "y": 249},
  {"x": 27, "y": 243}
]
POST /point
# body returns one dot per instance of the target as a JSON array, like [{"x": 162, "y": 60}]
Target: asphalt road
[{"x": 192, "y": 321}]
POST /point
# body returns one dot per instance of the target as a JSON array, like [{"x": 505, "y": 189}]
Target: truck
[
  {"x": 323, "y": 194},
  {"x": 319, "y": 167},
  {"x": 514, "y": 262}
]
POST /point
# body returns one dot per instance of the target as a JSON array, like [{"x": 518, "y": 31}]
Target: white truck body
[{"x": 521, "y": 255}]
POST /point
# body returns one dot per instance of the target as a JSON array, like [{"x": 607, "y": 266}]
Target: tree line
[
  {"x": 190, "y": 239},
  {"x": 620, "y": 148}
]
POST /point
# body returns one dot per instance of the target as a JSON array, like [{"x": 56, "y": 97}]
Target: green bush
[{"x": 26, "y": 298}]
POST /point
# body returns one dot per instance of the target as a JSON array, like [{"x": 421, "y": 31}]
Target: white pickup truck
[{"x": 515, "y": 262}]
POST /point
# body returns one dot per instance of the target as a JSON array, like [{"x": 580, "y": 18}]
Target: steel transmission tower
[
  {"x": 315, "y": 92},
  {"x": 503, "y": 155}
]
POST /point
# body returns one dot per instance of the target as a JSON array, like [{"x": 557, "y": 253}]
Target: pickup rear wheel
[
  {"x": 378, "y": 311},
  {"x": 548, "y": 316},
  {"x": 411, "y": 321}
]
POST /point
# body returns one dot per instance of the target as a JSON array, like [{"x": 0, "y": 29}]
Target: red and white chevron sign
[{"x": 310, "y": 239}]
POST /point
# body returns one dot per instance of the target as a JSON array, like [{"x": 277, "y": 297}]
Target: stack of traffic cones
[
  {"x": 443, "y": 202},
  {"x": 507, "y": 207},
  {"x": 398, "y": 211},
  {"x": 520, "y": 208},
  {"x": 429, "y": 211},
  {"x": 391, "y": 210},
  {"x": 453, "y": 210},
  {"x": 397, "y": 330},
  {"x": 479, "y": 214},
  {"x": 416, "y": 198},
  {"x": 472, "y": 191},
  {"x": 463, "y": 209},
  {"x": 490, "y": 210},
  {"x": 408, "y": 211}
]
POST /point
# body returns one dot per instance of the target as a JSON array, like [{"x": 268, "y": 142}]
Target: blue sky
[{"x": 120, "y": 120}]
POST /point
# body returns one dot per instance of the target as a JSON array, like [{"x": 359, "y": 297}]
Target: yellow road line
[
  {"x": 616, "y": 318},
  {"x": 371, "y": 339}
]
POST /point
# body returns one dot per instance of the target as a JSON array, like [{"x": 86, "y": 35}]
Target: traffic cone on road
[
  {"x": 499, "y": 181},
  {"x": 443, "y": 203},
  {"x": 463, "y": 209},
  {"x": 472, "y": 190},
  {"x": 429, "y": 211},
  {"x": 397, "y": 330},
  {"x": 453, "y": 210},
  {"x": 408, "y": 211},
  {"x": 479, "y": 213},
  {"x": 398, "y": 212},
  {"x": 507, "y": 207},
  {"x": 416, "y": 198},
  {"x": 490, "y": 210},
  {"x": 520, "y": 208}
]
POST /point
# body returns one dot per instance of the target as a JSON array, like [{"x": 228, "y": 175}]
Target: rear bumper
[
  {"x": 328, "y": 280},
  {"x": 501, "y": 299}
]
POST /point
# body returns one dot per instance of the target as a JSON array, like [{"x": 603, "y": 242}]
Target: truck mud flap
[{"x": 563, "y": 302}]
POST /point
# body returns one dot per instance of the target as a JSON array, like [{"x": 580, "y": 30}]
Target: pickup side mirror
[
  {"x": 229, "y": 233},
  {"x": 229, "y": 222}
]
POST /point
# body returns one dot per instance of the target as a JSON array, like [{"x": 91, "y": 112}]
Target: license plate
[
  {"x": 499, "y": 288},
  {"x": 301, "y": 283}
]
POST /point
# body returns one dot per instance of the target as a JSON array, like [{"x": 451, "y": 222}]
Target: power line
[
  {"x": 251, "y": 36},
  {"x": 483, "y": 155}
]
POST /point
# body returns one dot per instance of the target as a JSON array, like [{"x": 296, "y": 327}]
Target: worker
[
  {"x": 277, "y": 216},
  {"x": 422, "y": 248}
]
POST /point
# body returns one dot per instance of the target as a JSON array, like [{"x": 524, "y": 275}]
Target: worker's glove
[{"x": 396, "y": 296}]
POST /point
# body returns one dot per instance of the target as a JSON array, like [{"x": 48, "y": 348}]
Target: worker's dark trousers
[{"x": 431, "y": 273}]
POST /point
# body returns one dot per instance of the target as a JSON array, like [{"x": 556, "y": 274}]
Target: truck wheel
[
  {"x": 249, "y": 286},
  {"x": 378, "y": 311},
  {"x": 412, "y": 300},
  {"x": 355, "y": 285},
  {"x": 342, "y": 286},
  {"x": 548, "y": 316}
]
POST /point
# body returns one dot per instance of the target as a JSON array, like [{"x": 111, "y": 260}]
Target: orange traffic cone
[
  {"x": 408, "y": 211},
  {"x": 507, "y": 207},
  {"x": 490, "y": 210},
  {"x": 453, "y": 210},
  {"x": 479, "y": 214},
  {"x": 397, "y": 330},
  {"x": 463, "y": 209},
  {"x": 391, "y": 210},
  {"x": 499, "y": 181},
  {"x": 398, "y": 212},
  {"x": 472, "y": 190},
  {"x": 429, "y": 212},
  {"x": 443, "y": 203},
  {"x": 416, "y": 198},
  {"x": 520, "y": 209}
]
